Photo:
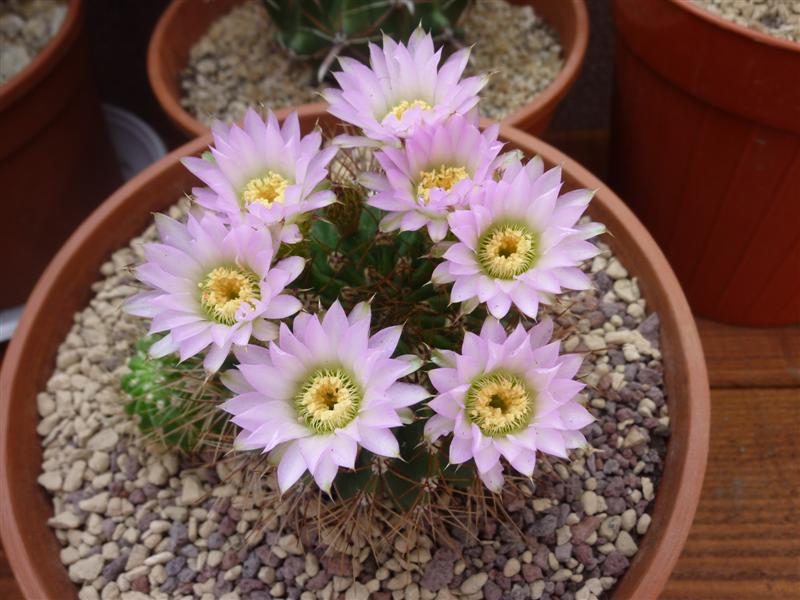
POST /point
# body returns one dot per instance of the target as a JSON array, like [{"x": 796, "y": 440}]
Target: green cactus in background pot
[{"x": 324, "y": 29}]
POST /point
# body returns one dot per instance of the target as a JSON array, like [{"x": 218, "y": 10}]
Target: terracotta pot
[
  {"x": 64, "y": 289},
  {"x": 56, "y": 162},
  {"x": 186, "y": 21},
  {"x": 706, "y": 148}
]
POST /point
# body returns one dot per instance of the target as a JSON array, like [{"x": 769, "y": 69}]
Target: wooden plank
[
  {"x": 745, "y": 540},
  {"x": 749, "y": 356}
]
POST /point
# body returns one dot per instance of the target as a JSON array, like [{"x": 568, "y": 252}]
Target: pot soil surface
[
  {"x": 135, "y": 518},
  {"x": 238, "y": 63}
]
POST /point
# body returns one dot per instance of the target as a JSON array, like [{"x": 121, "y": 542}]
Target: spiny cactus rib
[{"x": 324, "y": 29}]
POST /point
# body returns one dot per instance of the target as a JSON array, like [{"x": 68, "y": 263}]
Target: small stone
[
  {"x": 589, "y": 502},
  {"x": 104, "y": 440},
  {"x": 644, "y": 523},
  {"x": 625, "y": 544},
  {"x": 537, "y": 589},
  {"x": 615, "y": 269},
  {"x": 358, "y": 591},
  {"x": 561, "y": 575},
  {"x": 157, "y": 474},
  {"x": 512, "y": 567},
  {"x": 64, "y": 520},
  {"x": 609, "y": 528},
  {"x": 629, "y": 519},
  {"x": 399, "y": 581},
  {"x": 50, "y": 480},
  {"x": 648, "y": 490},
  {"x": 87, "y": 569},
  {"x": 158, "y": 559},
  {"x": 492, "y": 591},
  {"x": 615, "y": 564},
  {"x": 635, "y": 437},
  {"x": 474, "y": 583},
  {"x": 191, "y": 490},
  {"x": 74, "y": 477},
  {"x": 112, "y": 570},
  {"x": 96, "y": 504}
]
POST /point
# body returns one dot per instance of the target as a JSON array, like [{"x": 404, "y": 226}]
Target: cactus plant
[{"x": 324, "y": 29}]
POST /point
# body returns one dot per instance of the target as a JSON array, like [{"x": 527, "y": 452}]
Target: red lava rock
[
  {"x": 338, "y": 564},
  {"x": 615, "y": 564},
  {"x": 141, "y": 584},
  {"x": 584, "y": 529}
]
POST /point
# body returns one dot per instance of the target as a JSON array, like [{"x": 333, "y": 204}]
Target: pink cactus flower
[
  {"x": 518, "y": 242},
  {"x": 507, "y": 396},
  {"x": 322, "y": 390},
  {"x": 214, "y": 286},
  {"x": 263, "y": 173}
]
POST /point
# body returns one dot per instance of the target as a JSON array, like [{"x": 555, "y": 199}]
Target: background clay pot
[
  {"x": 706, "y": 148},
  {"x": 32, "y": 548},
  {"x": 56, "y": 162},
  {"x": 186, "y": 21}
]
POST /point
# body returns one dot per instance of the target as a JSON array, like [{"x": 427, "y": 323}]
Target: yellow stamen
[
  {"x": 265, "y": 190},
  {"x": 507, "y": 251},
  {"x": 403, "y": 106},
  {"x": 224, "y": 289},
  {"x": 443, "y": 177},
  {"x": 328, "y": 400},
  {"x": 499, "y": 404}
]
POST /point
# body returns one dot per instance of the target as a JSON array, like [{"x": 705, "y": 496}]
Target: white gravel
[{"x": 25, "y": 28}]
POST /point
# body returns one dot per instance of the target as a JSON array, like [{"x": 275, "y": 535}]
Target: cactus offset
[{"x": 323, "y": 29}]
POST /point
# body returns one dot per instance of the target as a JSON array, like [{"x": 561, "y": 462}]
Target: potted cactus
[
  {"x": 324, "y": 30},
  {"x": 199, "y": 69},
  {"x": 362, "y": 358}
]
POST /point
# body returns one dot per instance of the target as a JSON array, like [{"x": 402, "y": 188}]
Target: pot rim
[
  {"x": 541, "y": 105},
  {"x": 47, "y": 58},
  {"x": 718, "y": 21},
  {"x": 686, "y": 456}
]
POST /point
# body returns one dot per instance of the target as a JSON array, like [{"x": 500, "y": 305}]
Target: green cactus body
[
  {"x": 168, "y": 397},
  {"x": 323, "y": 29}
]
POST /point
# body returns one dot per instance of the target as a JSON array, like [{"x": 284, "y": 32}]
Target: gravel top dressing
[
  {"x": 778, "y": 18},
  {"x": 138, "y": 522},
  {"x": 25, "y": 28},
  {"x": 238, "y": 63}
]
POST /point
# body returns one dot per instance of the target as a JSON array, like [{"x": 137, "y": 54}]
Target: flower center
[
  {"x": 506, "y": 251},
  {"x": 399, "y": 109},
  {"x": 443, "y": 177},
  {"x": 265, "y": 190},
  {"x": 499, "y": 404},
  {"x": 328, "y": 400},
  {"x": 224, "y": 289}
]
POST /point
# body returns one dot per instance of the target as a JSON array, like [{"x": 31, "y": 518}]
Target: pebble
[
  {"x": 625, "y": 544},
  {"x": 50, "y": 480},
  {"x": 512, "y": 567},
  {"x": 474, "y": 583},
  {"x": 589, "y": 502},
  {"x": 104, "y": 440},
  {"x": 86, "y": 569},
  {"x": 643, "y": 524}
]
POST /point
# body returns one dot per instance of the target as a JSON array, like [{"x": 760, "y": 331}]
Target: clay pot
[
  {"x": 186, "y": 21},
  {"x": 33, "y": 550},
  {"x": 56, "y": 161},
  {"x": 706, "y": 148}
]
